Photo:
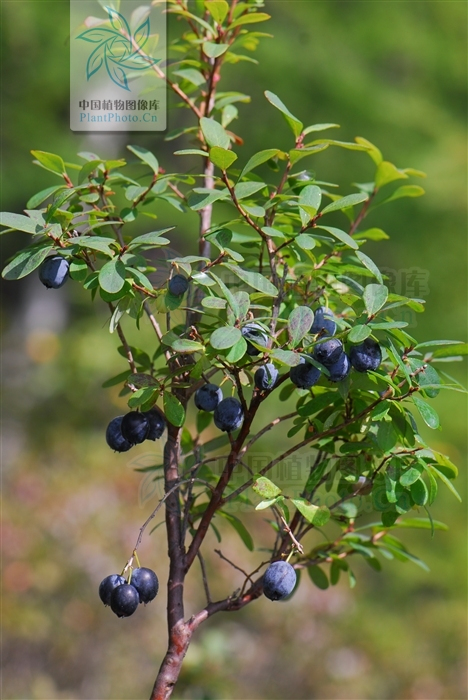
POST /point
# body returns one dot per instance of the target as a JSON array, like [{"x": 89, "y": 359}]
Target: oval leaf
[
  {"x": 375, "y": 296},
  {"x": 225, "y": 337},
  {"x": 427, "y": 413},
  {"x": 265, "y": 488},
  {"x": 299, "y": 324},
  {"x": 25, "y": 262},
  {"x": 112, "y": 276},
  {"x": 175, "y": 412}
]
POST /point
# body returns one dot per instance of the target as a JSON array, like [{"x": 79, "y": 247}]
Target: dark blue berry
[
  {"x": 254, "y": 333},
  {"x": 304, "y": 375},
  {"x": 156, "y": 424},
  {"x": 229, "y": 415},
  {"x": 147, "y": 584},
  {"x": 124, "y": 600},
  {"x": 323, "y": 322},
  {"x": 53, "y": 272},
  {"x": 135, "y": 427},
  {"x": 366, "y": 356},
  {"x": 340, "y": 369},
  {"x": 114, "y": 437},
  {"x": 266, "y": 376},
  {"x": 207, "y": 397},
  {"x": 107, "y": 586},
  {"x": 279, "y": 580},
  {"x": 178, "y": 285},
  {"x": 328, "y": 352}
]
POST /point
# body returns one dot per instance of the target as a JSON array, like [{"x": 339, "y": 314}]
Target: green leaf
[
  {"x": 297, "y": 154},
  {"x": 420, "y": 524},
  {"x": 341, "y": 236},
  {"x": 41, "y": 196},
  {"x": 175, "y": 412},
  {"x": 419, "y": 492},
  {"x": 359, "y": 333},
  {"x": 258, "y": 159},
  {"x": 299, "y": 323},
  {"x": 371, "y": 234},
  {"x": 218, "y": 9},
  {"x": 148, "y": 240},
  {"x": 305, "y": 241},
  {"x": 295, "y": 124},
  {"x": 373, "y": 151},
  {"x": 213, "y": 303},
  {"x": 250, "y": 18},
  {"x": 286, "y": 357},
  {"x": 191, "y": 152},
  {"x": 50, "y": 161},
  {"x": 461, "y": 349},
  {"x": 316, "y": 515},
  {"x": 230, "y": 298},
  {"x": 254, "y": 280},
  {"x": 445, "y": 465},
  {"x": 405, "y": 191},
  {"x": 247, "y": 189},
  {"x": 319, "y": 127},
  {"x": 410, "y": 476},
  {"x": 225, "y": 337},
  {"x": 99, "y": 243},
  {"x": 310, "y": 197},
  {"x": 428, "y": 414},
  {"x": 375, "y": 296},
  {"x": 78, "y": 270},
  {"x": 387, "y": 172},
  {"x": 146, "y": 156},
  {"x": 436, "y": 472},
  {"x": 18, "y": 222},
  {"x": 263, "y": 505},
  {"x": 370, "y": 264},
  {"x": 112, "y": 276},
  {"x": 240, "y": 528},
  {"x": 345, "y": 202},
  {"x": 186, "y": 346},
  {"x": 193, "y": 76},
  {"x": 214, "y": 133},
  {"x": 222, "y": 158},
  {"x": 237, "y": 351},
  {"x": 387, "y": 436},
  {"x": 318, "y": 577},
  {"x": 273, "y": 232},
  {"x": 25, "y": 262},
  {"x": 213, "y": 50},
  {"x": 265, "y": 488},
  {"x": 141, "y": 396},
  {"x": 201, "y": 197}
]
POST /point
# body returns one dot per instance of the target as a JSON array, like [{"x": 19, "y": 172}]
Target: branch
[{"x": 223, "y": 481}]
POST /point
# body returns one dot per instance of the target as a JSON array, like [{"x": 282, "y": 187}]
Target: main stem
[{"x": 179, "y": 633}]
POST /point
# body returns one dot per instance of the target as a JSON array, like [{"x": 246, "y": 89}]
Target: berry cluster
[
  {"x": 124, "y": 596},
  {"x": 125, "y": 431},
  {"x": 228, "y": 413},
  {"x": 330, "y": 353}
]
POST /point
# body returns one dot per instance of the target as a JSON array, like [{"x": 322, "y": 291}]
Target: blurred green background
[{"x": 393, "y": 72}]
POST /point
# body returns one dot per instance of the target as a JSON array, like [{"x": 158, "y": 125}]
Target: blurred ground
[{"x": 394, "y": 72}]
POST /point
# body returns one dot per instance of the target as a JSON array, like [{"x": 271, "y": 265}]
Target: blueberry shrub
[{"x": 282, "y": 306}]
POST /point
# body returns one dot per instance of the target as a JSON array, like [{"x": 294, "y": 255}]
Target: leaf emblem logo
[{"x": 118, "y": 49}]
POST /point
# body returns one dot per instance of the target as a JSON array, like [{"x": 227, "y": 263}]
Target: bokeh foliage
[{"x": 359, "y": 64}]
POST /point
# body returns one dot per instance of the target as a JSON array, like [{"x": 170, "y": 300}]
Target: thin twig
[{"x": 204, "y": 577}]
